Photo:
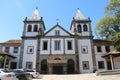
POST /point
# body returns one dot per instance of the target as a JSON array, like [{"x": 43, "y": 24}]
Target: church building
[{"x": 58, "y": 51}]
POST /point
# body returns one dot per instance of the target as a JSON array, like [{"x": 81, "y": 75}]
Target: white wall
[
  {"x": 62, "y": 32},
  {"x": 63, "y": 47},
  {"x": 117, "y": 62},
  {"x": 100, "y": 54},
  {"x": 17, "y": 55},
  {"x": 85, "y": 56},
  {"x": 29, "y": 57}
]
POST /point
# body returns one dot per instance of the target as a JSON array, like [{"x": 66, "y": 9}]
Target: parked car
[
  {"x": 6, "y": 75},
  {"x": 21, "y": 75},
  {"x": 34, "y": 73}
]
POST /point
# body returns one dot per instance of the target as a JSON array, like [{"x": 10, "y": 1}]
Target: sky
[{"x": 13, "y": 13}]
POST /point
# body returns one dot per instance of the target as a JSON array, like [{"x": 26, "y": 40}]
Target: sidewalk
[{"x": 91, "y": 76}]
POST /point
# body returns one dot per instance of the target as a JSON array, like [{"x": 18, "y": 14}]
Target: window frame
[
  {"x": 86, "y": 49},
  {"x": 99, "y": 48},
  {"x": 15, "y": 51},
  {"x": 107, "y": 48},
  {"x": 29, "y": 28},
  {"x": 29, "y": 63},
  {"x": 79, "y": 28},
  {"x": 87, "y": 63},
  {"x": 44, "y": 45},
  {"x": 101, "y": 66},
  {"x": 68, "y": 46},
  {"x": 57, "y": 32},
  {"x": 35, "y": 28},
  {"x": 57, "y": 44},
  {"x": 7, "y": 50},
  {"x": 28, "y": 49},
  {"x": 85, "y": 27}
]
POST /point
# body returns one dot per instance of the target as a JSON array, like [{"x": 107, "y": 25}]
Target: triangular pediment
[{"x": 62, "y": 31}]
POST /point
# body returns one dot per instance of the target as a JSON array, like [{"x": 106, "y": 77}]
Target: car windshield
[
  {"x": 6, "y": 71},
  {"x": 17, "y": 71},
  {"x": 30, "y": 71}
]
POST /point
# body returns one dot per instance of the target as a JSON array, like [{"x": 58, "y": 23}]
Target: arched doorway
[
  {"x": 57, "y": 67},
  {"x": 44, "y": 67},
  {"x": 70, "y": 66}
]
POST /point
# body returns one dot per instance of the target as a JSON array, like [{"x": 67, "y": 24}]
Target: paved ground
[{"x": 79, "y": 77}]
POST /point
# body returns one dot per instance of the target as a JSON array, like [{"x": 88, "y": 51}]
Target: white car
[
  {"x": 32, "y": 72},
  {"x": 6, "y": 75}
]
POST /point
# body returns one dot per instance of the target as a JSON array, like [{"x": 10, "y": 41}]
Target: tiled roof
[
  {"x": 114, "y": 52},
  {"x": 102, "y": 40},
  {"x": 13, "y": 41},
  {"x": 5, "y": 53},
  {"x": 1, "y": 52}
]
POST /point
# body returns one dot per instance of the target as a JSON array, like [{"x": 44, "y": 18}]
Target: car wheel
[{"x": 30, "y": 77}]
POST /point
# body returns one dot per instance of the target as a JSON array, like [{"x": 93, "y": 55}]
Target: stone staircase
[{"x": 107, "y": 72}]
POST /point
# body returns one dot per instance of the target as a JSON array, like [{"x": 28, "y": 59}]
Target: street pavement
[{"x": 91, "y": 76}]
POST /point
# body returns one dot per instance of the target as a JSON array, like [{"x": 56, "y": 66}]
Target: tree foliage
[
  {"x": 1, "y": 58},
  {"x": 112, "y": 8},
  {"x": 117, "y": 41},
  {"x": 103, "y": 29},
  {"x": 109, "y": 26}
]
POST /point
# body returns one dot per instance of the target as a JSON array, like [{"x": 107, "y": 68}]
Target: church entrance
[
  {"x": 44, "y": 67},
  {"x": 70, "y": 66},
  {"x": 57, "y": 69}
]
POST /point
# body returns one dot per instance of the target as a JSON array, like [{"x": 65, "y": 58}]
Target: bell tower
[
  {"x": 33, "y": 25},
  {"x": 80, "y": 25},
  {"x": 81, "y": 29}
]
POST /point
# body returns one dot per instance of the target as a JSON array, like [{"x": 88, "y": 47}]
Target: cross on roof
[{"x": 57, "y": 20}]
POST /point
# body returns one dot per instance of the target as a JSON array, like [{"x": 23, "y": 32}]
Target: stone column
[
  {"x": 112, "y": 63},
  {"x": 49, "y": 69},
  {"x": 64, "y": 69},
  {"x": 5, "y": 61}
]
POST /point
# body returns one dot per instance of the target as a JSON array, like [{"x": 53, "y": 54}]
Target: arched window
[
  {"x": 35, "y": 28},
  {"x": 85, "y": 28},
  {"x": 79, "y": 28},
  {"x": 29, "y": 29}
]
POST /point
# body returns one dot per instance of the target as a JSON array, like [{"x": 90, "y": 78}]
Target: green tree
[
  {"x": 109, "y": 26},
  {"x": 112, "y": 8},
  {"x": 104, "y": 27},
  {"x": 1, "y": 59},
  {"x": 117, "y": 41}
]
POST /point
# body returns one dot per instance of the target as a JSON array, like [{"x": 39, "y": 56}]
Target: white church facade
[{"x": 58, "y": 51}]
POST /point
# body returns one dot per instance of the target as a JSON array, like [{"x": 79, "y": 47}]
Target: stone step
[{"x": 108, "y": 72}]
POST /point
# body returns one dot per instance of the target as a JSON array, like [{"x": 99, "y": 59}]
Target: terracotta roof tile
[
  {"x": 2, "y": 52},
  {"x": 13, "y": 41},
  {"x": 102, "y": 40},
  {"x": 5, "y": 53}
]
